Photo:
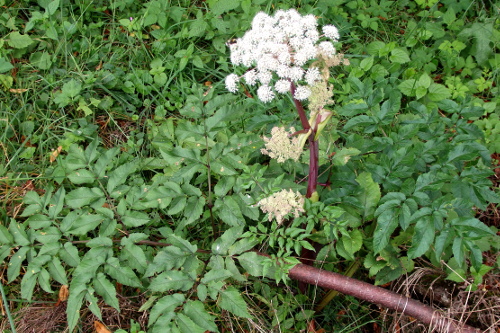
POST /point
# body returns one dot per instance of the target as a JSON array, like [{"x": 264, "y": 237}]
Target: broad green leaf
[
  {"x": 106, "y": 289},
  {"x": 28, "y": 284},
  {"x": 369, "y": 196},
  {"x": 252, "y": 263},
  {"x": 72, "y": 88},
  {"x": 135, "y": 257},
  {"x": 408, "y": 87},
  {"x": 5, "y": 236},
  {"x": 42, "y": 60},
  {"x": 399, "y": 55},
  {"x": 5, "y": 65},
  {"x": 219, "y": 7},
  {"x": 82, "y": 176},
  {"x": 232, "y": 301},
  {"x": 242, "y": 245},
  {"x": 69, "y": 253},
  {"x": 361, "y": 120},
  {"x": 120, "y": 174},
  {"x": 48, "y": 235},
  {"x": 93, "y": 303},
  {"x": 177, "y": 205},
  {"x": 75, "y": 301},
  {"x": 15, "y": 263},
  {"x": 17, "y": 231},
  {"x": 18, "y": 41},
  {"x": 423, "y": 237},
  {"x": 215, "y": 275},
  {"x": 83, "y": 196},
  {"x": 198, "y": 314},
  {"x": 229, "y": 211},
  {"x": 57, "y": 203},
  {"x": 165, "y": 305},
  {"x": 352, "y": 243},
  {"x": 222, "y": 244},
  {"x": 186, "y": 325},
  {"x": 123, "y": 274},
  {"x": 388, "y": 274},
  {"x": 135, "y": 219},
  {"x": 84, "y": 223},
  {"x": 57, "y": 271},
  {"x": 171, "y": 280},
  {"x": 193, "y": 210},
  {"x": 224, "y": 185},
  {"x": 438, "y": 92},
  {"x": 386, "y": 224}
]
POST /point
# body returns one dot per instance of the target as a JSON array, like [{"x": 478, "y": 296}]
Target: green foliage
[{"x": 148, "y": 174}]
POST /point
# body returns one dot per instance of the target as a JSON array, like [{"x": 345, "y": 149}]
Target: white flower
[
  {"x": 265, "y": 93},
  {"x": 251, "y": 77},
  {"x": 312, "y": 75},
  {"x": 327, "y": 49},
  {"x": 264, "y": 77},
  {"x": 231, "y": 82},
  {"x": 331, "y": 32},
  {"x": 302, "y": 93},
  {"x": 282, "y": 86},
  {"x": 296, "y": 73}
]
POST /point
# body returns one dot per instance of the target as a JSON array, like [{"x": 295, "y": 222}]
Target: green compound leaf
[
  {"x": 135, "y": 219},
  {"x": 252, "y": 263},
  {"x": 232, "y": 301}
]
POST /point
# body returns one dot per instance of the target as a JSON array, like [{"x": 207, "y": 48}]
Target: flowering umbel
[
  {"x": 276, "y": 49},
  {"x": 281, "y": 204}
]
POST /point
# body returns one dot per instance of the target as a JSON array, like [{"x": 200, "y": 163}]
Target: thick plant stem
[
  {"x": 312, "y": 180},
  {"x": 300, "y": 110},
  {"x": 365, "y": 291}
]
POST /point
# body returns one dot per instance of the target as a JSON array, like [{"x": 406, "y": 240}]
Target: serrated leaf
[
  {"x": 123, "y": 274},
  {"x": 408, "y": 87},
  {"x": 120, "y": 174},
  {"x": 437, "y": 92},
  {"x": 232, "y": 301},
  {"x": 186, "y": 325},
  {"x": 215, "y": 275},
  {"x": 135, "y": 256},
  {"x": 171, "y": 280},
  {"x": 106, "y": 289},
  {"x": 69, "y": 253},
  {"x": 15, "y": 263},
  {"x": 386, "y": 224},
  {"x": 83, "y": 196},
  {"x": 369, "y": 196},
  {"x": 57, "y": 271},
  {"x": 194, "y": 209},
  {"x": 135, "y": 219},
  {"x": 423, "y": 237},
  {"x": 82, "y": 176},
  {"x": 75, "y": 301},
  {"x": 5, "y": 236},
  {"x": 229, "y": 211},
  {"x": 198, "y": 314},
  {"x": 252, "y": 263},
  {"x": 83, "y": 224},
  {"x": 165, "y": 305},
  {"x": 219, "y": 7},
  {"x": 221, "y": 244},
  {"x": 19, "y": 234},
  {"x": 399, "y": 55}
]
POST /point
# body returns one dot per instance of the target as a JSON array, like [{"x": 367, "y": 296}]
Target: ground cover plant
[{"x": 138, "y": 164}]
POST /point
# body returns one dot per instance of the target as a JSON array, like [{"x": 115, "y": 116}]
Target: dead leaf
[
  {"x": 100, "y": 328},
  {"x": 55, "y": 153},
  {"x": 18, "y": 91},
  {"x": 63, "y": 293}
]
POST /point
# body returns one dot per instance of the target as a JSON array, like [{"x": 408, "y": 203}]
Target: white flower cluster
[
  {"x": 276, "y": 49},
  {"x": 281, "y": 204},
  {"x": 281, "y": 147}
]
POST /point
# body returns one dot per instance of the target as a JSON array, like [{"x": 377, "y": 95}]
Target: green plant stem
[{"x": 7, "y": 309}]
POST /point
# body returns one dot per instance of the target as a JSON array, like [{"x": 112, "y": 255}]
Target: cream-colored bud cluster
[
  {"x": 281, "y": 204},
  {"x": 281, "y": 146}
]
